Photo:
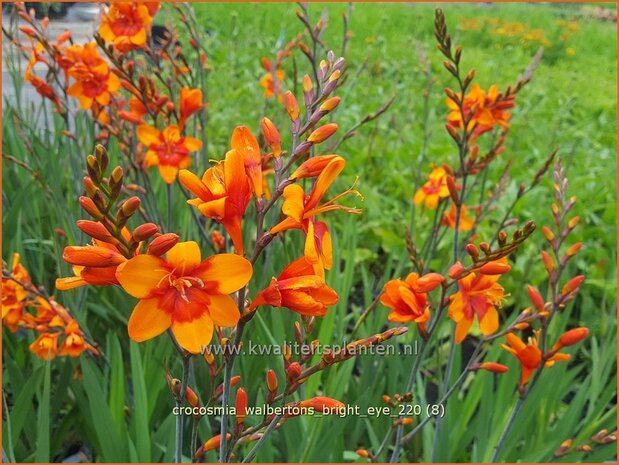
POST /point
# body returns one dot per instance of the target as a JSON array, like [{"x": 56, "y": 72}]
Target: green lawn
[{"x": 570, "y": 104}]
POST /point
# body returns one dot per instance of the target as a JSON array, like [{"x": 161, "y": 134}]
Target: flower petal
[
  {"x": 140, "y": 275},
  {"x": 194, "y": 335},
  {"x": 147, "y": 320},
  {"x": 223, "y": 310},
  {"x": 184, "y": 256},
  {"x": 229, "y": 271}
]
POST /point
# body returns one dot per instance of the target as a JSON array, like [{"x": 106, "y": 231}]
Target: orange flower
[
  {"x": 14, "y": 295},
  {"x": 190, "y": 102},
  {"x": 408, "y": 300},
  {"x": 223, "y": 194},
  {"x": 466, "y": 222},
  {"x": 529, "y": 355},
  {"x": 94, "y": 81},
  {"x": 184, "y": 293},
  {"x": 479, "y": 294},
  {"x": 245, "y": 143},
  {"x": 273, "y": 86},
  {"x": 298, "y": 289},
  {"x": 45, "y": 346},
  {"x": 301, "y": 210},
  {"x": 126, "y": 24},
  {"x": 434, "y": 189},
  {"x": 490, "y": 110},
  {"x": 169, "y": 150},
  {"x": 74, "y": 343},
  {"x": 92, "y": 264}
]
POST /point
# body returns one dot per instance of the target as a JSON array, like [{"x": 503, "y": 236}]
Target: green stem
[
  {"x": 178, "y": 446},
  {"x": 508, "y": 427}
]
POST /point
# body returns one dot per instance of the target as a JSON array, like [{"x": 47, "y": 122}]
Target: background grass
[{"x": 570, "y": 104}]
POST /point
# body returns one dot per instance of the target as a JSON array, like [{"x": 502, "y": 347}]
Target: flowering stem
[
  {"x": 178, "y": 446},
  {"x": 252, "y": 453},
  {"x": 169, "y": 201},
  {"x": 445, "y": 385},
  {"x": 508, "y": 427}
]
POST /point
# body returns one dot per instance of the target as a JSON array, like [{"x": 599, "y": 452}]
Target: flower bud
[
  {"x": 548, "y": 262},
  {"x": 536, "y": 298},
  {"x": 294, "y": 370},
  {"x": 329, "y": 104},
  {"x": 192, "y": 397},
  {"x": 472, "y": 251},
  {"x": 307, "y": 84},
  {"x": 292, "y": 107},
  {"x": 161, "y": 244},
  {"x": 272, "y": 381},
  {"x": 363, "y": 453},
  {"x": 89, "y": 185},
  {"x": 456, "y": 270},
  {"x": 130, "y": 206},
  {"x": 89, "y": 207},
  {"x": 144, "y": 232},
  {"x": 241, "y": 405},
  {"x": 494, "y": 268},
  {"x": 218, "y": 241},
  {"x": 453, "y": 189},
  {"x": 571, "y": 337},
  {"x": 313, "y": 166},
  {"x": 573, "y": 284},
  {"x": 322, "y": 404},
  {"x": 271, "y": 134},
  {"x": 573, "y": 250},
  {"x": 96, "y": 231},
  {"x": 493, "y": 367},
  {"x": 322, "y": 133},
  {"x": 548, "y": 234},
  {"x": 573, "y": 222}
]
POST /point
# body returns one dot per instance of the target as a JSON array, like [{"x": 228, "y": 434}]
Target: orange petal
[
  {"x": 148, "y": 135},
  {"x": 231, "y": 272},
  {"x": 324, "y": 181},
  {"x": 147, "y": 320},
  {"x": 223, "y": 310},
  {"x": 168, "y": 173},
  {"x": 194, "y": 335},
  {"x": 184, "y": 256},
  {"x": 140, "y": 275},
  {"x": 293, "y": 204}
]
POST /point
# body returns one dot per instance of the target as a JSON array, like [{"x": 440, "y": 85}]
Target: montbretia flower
[
  {"x": 14, "y": 295},
  {"x": 222, "y": 194},
  {"x": 478, "y": 295},
  {"x": 126, "y": 24},
  {"x": 465, "y": 223},
  {"x": 45, "y": 346},
  {"x": 190, "y": 102},
  {"x": 94, "y": 80},
  {"x": 74, "y": 343},
  {"x": 168, "y": 150},
  {"x": 183, "y": 293},
  {"x": 434, "y": 189},
  {"x": 301, "y": 210},
  {"x": 529, "y": 355},
  {"x": 244, "y": 142},
  {"x": 298, "y": 289},
  {"x": 490, "y": 110},
  {"x": 272, "y": 83},
  {"x": 408, "y": 299},
  {"x": 92, "y": 264}
]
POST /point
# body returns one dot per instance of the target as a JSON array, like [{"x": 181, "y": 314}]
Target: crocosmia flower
[
  {"x": 478, "y": 295},
  {"x": 222, "y": 194},
  {"x": 94, "y": 82},
  {"x": 14, "y": 295},
  {"x": 490, "y": 110},
  {"x": 408, "y": 299},
  {"x": 169, "y": 150},
  {"x": 298, "y": 289},
  {"x": 434, "y": 189},
  {"x": 529, "y": 355},
  {"x": 183, "y": 293},
  {"x": 126, "y": 24},
  {"x": 466, "y": 223},
  {"x": 301, "y": 210}
]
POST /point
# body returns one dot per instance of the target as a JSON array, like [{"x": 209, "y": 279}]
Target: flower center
[{"x": 181, "y": 283}]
